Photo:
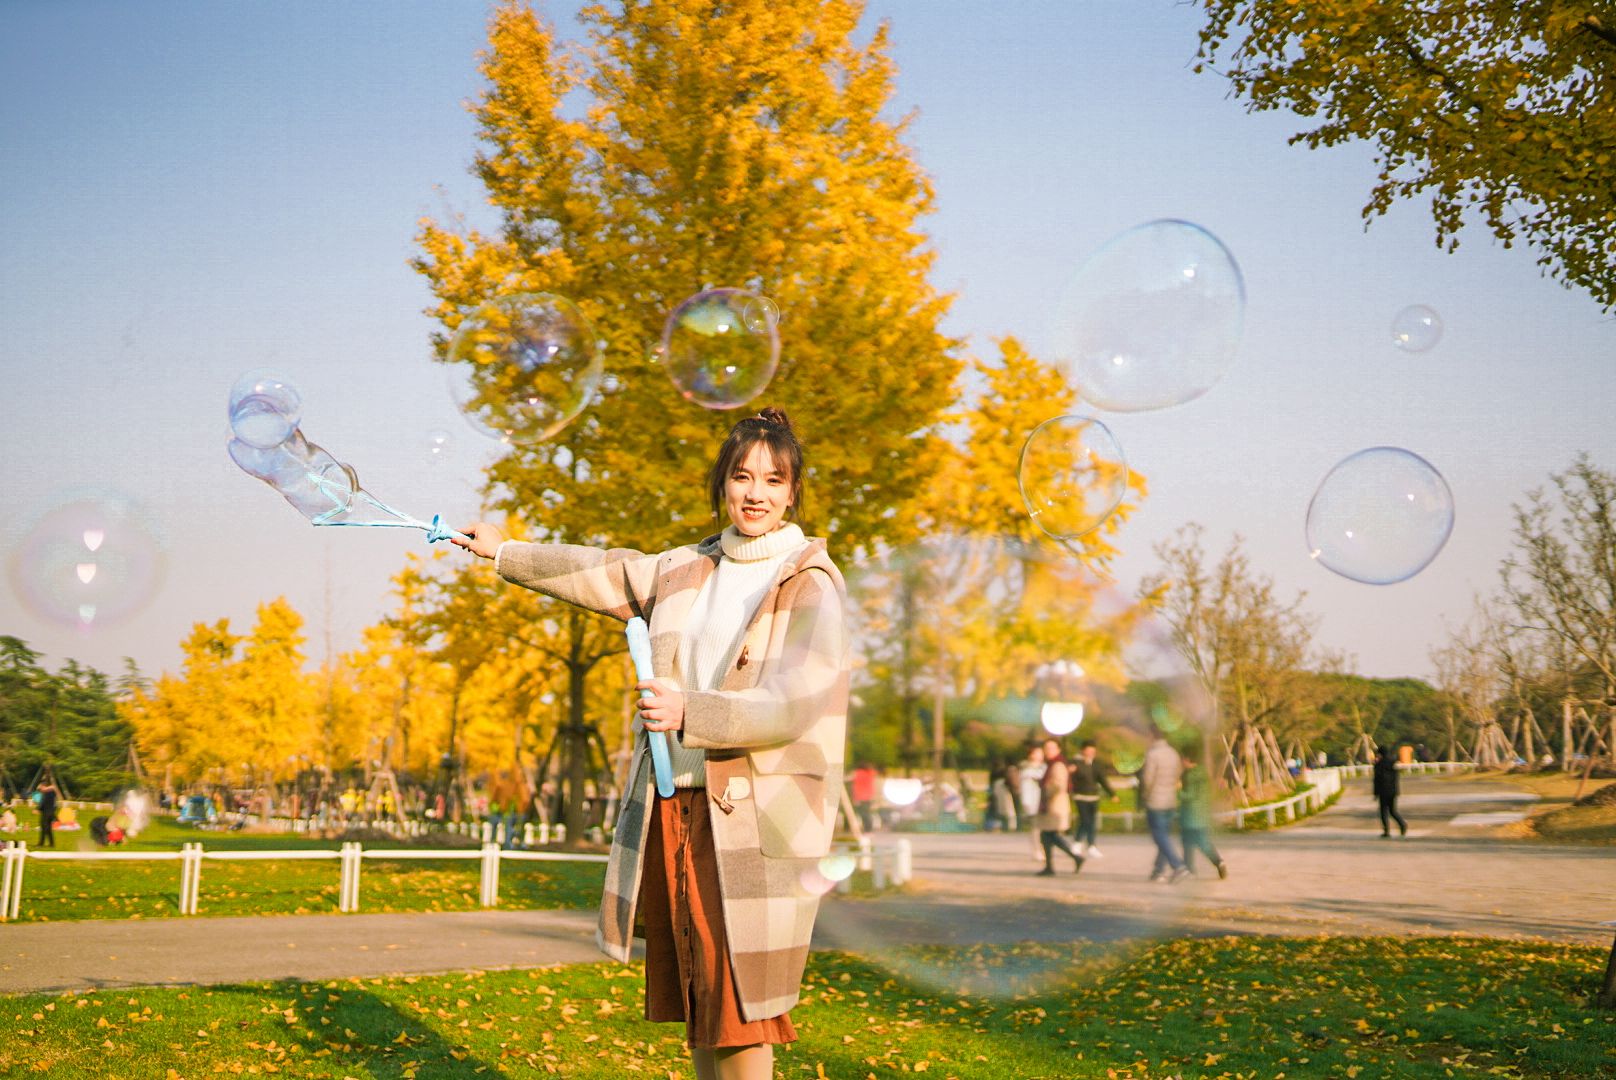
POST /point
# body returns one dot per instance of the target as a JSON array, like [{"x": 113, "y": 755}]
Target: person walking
[
  {"x": 47, "y": 814},
  {"x": 866, "y": 778},
  {"x": 1088, "y": 780},
  {"x": 1055, "y": 810},
  {"x": 1029, "y": 777},
  {"x": 751, "y": 655},
  {"x": 1001, "y": 799},
  {"x": 1158, "y": 792},
  {"x": 1195, "y": 817},
  {"x": 1386, "y": 793}
]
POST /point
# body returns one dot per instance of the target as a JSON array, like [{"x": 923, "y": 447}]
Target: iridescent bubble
[
  {"x": 1380, "y": 516},
  {"x": 522, "y": 367},
  {"x": 1416, "y": 328},
  {"x": 715, "y": 356},
  {"x": 1072, "y": 475},
  {"x": 1152, "y": 319},
  {"x": 264, "y": 408},
  {"x": 90, "y": 562},
  {"x": 438, "y": 446},
  {"x": 761, "y": 315},
  {"x": 1079, "y": 924}
]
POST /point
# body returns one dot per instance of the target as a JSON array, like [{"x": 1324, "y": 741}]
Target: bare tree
[
  {"x": 1250, "y": 651},
  {"x": 1561, "y": 582}
]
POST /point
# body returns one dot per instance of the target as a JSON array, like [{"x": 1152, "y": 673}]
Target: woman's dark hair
[{"x": 773, "y": 429}]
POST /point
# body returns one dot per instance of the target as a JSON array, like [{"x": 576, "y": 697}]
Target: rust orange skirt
[{"x": 687, "y": 970}]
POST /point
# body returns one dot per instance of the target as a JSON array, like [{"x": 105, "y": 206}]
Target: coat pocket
[{"x": 795, "y": 818}]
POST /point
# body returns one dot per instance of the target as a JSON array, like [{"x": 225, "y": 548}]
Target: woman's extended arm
[{"x": 616, "y": 582}]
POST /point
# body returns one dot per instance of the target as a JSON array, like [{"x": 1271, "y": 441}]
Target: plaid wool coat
[{"x": 774, "y": 731}]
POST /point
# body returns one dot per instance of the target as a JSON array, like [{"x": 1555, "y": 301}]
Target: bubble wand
[
  {"x": 639, "y": 650},
  {"x": 267, "y": 444}
]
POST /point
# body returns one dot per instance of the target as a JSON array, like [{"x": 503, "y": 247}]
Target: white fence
[{"x": 889, "y": 864}]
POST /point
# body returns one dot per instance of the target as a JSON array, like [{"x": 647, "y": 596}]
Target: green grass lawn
[
  {"x": 1248, "y": 1007},
  {"x": 106, "y": 889}
]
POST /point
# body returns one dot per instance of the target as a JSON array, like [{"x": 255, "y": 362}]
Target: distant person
[
  {"x": 8, "y": 820},
  {"x": 1195, "y": 817},
  {"x": 866, "y": 779},
  {"x": 47, "y": 814},
  {"x": 1158, "y": 793},
  {"x": 1055, "y": 810},
  {"x": 1001, "y": 799},
  {"x": 1386, "y": 793},
  {"x": 1029, "y": 776},
  {"x": 1088, "y": 780}
]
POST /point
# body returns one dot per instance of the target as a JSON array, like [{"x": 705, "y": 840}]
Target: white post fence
[
  {"x": 16, "y": 854},
  {"x": 349, "y": 858}
]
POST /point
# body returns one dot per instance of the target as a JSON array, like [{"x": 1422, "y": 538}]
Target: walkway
[{"x": 1332, "y": 874}]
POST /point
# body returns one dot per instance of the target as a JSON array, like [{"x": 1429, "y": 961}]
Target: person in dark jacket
[
  {"x": 1088, "y": 780},
  {"x": 1386, "y": 792},
  {"x": 47, "y": 814}
]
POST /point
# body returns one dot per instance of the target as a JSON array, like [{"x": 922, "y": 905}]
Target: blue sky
[{"x": 190, "y": 190}]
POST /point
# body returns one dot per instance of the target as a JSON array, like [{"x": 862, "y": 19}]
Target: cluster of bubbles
[
  {"x": 89, "y": 562},
  {"x": 265, "y": 410},
  {"x": 1152, "y": 320},
  {"x": 1381, "y": 515},
  {"x": 526, "y": 365}
]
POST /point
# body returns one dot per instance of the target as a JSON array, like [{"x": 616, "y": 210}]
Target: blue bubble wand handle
[{"x": 639, "y": 650}]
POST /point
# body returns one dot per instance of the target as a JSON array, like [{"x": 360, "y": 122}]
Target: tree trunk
[{"x": 1565, "y": 736}]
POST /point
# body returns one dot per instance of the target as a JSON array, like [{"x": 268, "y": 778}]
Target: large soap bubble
[
  {"x": 1152, "y": 319},
  {"x": 1416, "y": 328},
  {"x": 1380, "y": 516},
  {"x": 1072, "y": 475},
  {"x": 265, "y": 409},
  {"x": 721, "y": 347},
  {"x": 1029, "y": 936},
  {"x": 523, "y": 366},
  {"x": 90, "y": 561}
]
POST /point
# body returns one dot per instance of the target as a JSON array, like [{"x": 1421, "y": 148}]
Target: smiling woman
[{"x": 750, "y": 654}]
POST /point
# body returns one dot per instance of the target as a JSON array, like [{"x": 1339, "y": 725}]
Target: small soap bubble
[
  {"x": 761, "y": 315},
  {"x": 1152, "y": 319},
  {"x": 1072, "y": 475},
  {"x": 265, "y": 408},
  {"x": 90, "y": 561},
  {"x": 522, "y": 367},
  {"x": 1416, "y": 328},
  {"x": 716, "y": 356},
  {"x": 439, "y": 445},
  {"x": 1380, "y": 516}
]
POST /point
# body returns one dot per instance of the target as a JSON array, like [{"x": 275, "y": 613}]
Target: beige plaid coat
[{"x": 773, "y": 731}]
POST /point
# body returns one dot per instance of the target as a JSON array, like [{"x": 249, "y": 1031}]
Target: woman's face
[{"x": 757, "y": 494}]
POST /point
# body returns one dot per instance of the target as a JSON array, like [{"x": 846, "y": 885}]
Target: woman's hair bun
[{"x": 775, "y": 416}]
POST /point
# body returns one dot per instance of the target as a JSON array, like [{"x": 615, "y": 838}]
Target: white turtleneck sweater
[{"x": 718, "y": 619}]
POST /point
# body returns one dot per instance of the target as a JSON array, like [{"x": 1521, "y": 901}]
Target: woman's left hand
[{"x": 663, "y": 709}]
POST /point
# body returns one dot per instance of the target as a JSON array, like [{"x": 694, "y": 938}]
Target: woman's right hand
[{"x": 485, "y": 539}]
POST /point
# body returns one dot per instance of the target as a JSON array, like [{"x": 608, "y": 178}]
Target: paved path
[{"x": 1332, "y": 874}]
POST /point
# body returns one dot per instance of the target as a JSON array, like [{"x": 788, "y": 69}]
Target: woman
[
  {"x": 750, "y": 652},
  {"x": 1055, "y": 809}
]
